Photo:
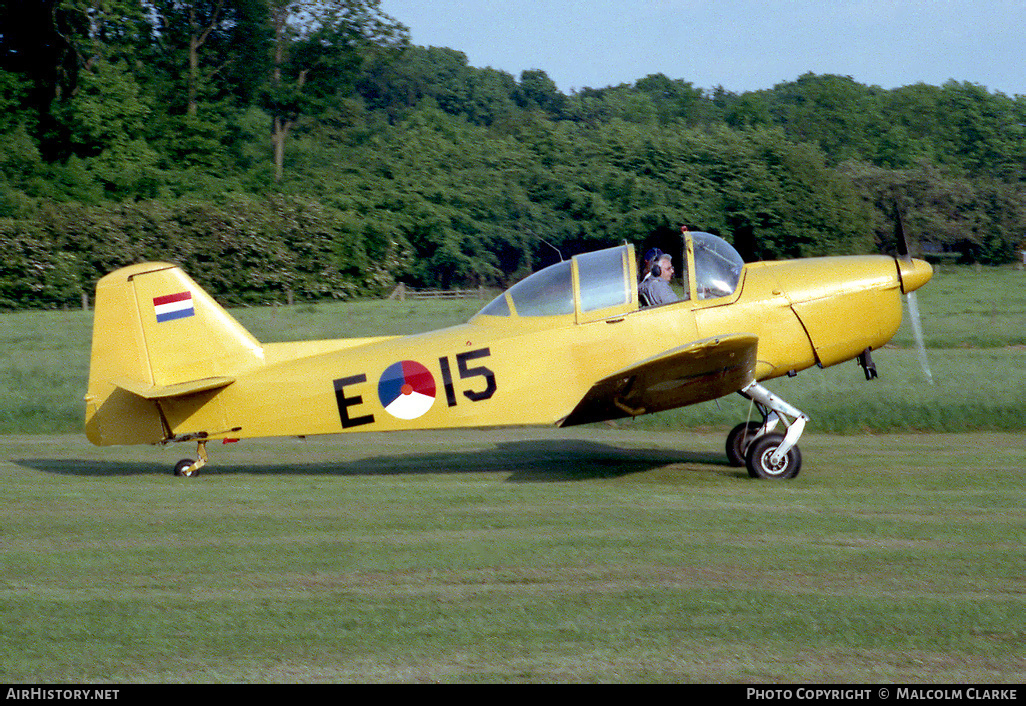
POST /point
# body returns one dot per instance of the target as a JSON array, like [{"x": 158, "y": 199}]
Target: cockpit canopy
[{"x": 603, "y": 283}]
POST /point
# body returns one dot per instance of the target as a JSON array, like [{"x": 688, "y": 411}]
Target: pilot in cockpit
[{"x": 655, "y": 288}]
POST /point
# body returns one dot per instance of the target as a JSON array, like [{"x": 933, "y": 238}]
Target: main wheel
[
  {"x": 183, "y": 465},
  {"x": 738, "y": 440},
  {"x": 760, "y": 463}
]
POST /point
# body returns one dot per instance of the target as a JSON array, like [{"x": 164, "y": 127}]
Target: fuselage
[{"x": 517, "y": 371}]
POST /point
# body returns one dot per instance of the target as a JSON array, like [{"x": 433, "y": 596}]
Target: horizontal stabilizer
[
  {"x": 695, "y": 372},
  {"x": 156, "y": 392}
]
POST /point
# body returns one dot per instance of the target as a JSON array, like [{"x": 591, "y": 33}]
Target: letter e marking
[{"x": 344, "y": 403}]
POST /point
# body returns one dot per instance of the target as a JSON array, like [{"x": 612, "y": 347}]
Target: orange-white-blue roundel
[{"x": 406, "y": 389}]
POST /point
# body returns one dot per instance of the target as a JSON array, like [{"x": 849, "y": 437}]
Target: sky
[{"x": 741, "y": 45}]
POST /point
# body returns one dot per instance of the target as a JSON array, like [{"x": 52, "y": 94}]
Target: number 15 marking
[{"x": 466, "y": 373}]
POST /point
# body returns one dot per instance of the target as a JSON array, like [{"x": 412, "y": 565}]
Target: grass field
[
  {"x": 611, "y": 554},
  {"x": 514, "y": 556}
]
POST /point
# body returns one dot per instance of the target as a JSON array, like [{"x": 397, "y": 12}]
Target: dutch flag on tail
[{"x": 173, "y": 306}]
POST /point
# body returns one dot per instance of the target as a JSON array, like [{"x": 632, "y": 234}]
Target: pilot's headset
[{"x": 656, "y": 269}]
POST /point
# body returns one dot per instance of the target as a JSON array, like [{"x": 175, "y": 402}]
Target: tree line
[{"x": 305, "y": 146}]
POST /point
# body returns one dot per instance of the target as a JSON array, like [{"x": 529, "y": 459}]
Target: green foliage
[
  {"x": 13, "y": 90},
  {"x": 244, "y": 249},
  {"x": 981, "y": 220},
  {"x": 106, "y": 121},
  {"x": 833, "y": 112},
  {"x": 32, "y": 272},
  {"x": 424, "y": 169}
]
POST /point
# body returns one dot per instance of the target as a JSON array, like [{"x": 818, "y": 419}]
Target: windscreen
[{"x": 717, "y": 266}]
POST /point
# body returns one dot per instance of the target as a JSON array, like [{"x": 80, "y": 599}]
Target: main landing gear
[{"x": 765, "y": 452}]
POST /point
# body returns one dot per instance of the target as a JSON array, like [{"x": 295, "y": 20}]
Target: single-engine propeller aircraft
[{"x": 568, "y": 345}]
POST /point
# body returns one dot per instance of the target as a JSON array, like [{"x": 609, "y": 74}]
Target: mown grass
[
  {"x": 975, "y": 325},
  {"x": 598, "y": 554},
  {"x": 513, "y": 556}
]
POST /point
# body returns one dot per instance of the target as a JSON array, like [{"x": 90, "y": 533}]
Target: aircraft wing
[{"x": 696, "y": 372}]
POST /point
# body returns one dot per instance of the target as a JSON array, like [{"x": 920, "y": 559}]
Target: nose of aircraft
[{"x": 914, "y": 274}]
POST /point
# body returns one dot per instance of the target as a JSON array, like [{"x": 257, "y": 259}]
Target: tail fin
[{"x": 156, "y": 335}]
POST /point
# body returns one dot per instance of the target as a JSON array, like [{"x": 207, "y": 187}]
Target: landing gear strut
[{"x": 755, "y": 445}]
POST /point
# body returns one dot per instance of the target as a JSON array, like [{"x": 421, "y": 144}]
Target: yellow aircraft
[{"x": 570, "y": 344}]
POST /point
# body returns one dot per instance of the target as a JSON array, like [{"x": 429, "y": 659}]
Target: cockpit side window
[
  {"x": 548, "y": 292},
  {"x": 602, "y": 279},
  {"x": 604, "y": 282},
  {"x": 717, "y": 266}
]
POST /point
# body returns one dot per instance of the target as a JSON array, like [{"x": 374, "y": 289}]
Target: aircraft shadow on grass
[{"x": 524, "y": 461}]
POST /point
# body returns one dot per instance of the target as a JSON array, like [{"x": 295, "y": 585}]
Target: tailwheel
[
  {"x": 189, "y": 468},
  {"x": 738, "y": 440},
  {"x": 184, "y": 468},
  {"x": 763, "y": 461}
]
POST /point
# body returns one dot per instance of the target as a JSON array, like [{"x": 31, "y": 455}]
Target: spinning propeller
[{"x": 901, "y": 242}]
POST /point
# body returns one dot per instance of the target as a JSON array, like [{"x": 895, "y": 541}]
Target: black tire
[
  {"x": 182, "y": 465},
  {"x": 738, "y": 440},
  {"x": 758, "y": 459}
]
